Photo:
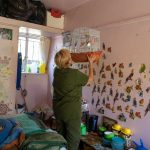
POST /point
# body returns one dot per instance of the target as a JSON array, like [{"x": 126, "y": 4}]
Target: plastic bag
[
  {"x": 26, "y": 10},
  {"x": 39, "y": 14},
  {"x": 3, "y": 6},
  {"x": 19, "y": 9}
]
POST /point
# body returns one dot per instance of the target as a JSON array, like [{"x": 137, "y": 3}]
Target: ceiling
[{"x": 63, "y": 5}]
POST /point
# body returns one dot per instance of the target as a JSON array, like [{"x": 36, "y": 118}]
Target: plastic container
[
  {"x": 116, "y": 127},
  {"x": 126, "y": 131},
  {"x": 92, "y": 123},
  {"x": 55, "y": 22},
  {"x": 118, "y": 143},
  {"x": 28, "y": 69},
  {"x": 42, "y": 68},
  {"x": 101, "y": 131},
  {"x": 106, "y": 142},
  {"x": 83, "y": 129},
  {"x": 108, "y": 135}
]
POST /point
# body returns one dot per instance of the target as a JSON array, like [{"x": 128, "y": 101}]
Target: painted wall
[
  {"x": 130, "y": 44},
  {"x": 56, "y": 45},
  {"x": 101, "y": 12},
  {"x": 37, "y": 91}
]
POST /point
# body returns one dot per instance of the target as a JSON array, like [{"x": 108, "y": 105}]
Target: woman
[{"x": 67, "y": 85}]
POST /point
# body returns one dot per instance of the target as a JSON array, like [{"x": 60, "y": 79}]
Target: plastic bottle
[
  {"x": 28, "y": 69},
  {"x": 42, "y": 68},
  {"x": 83, "y": 129}
]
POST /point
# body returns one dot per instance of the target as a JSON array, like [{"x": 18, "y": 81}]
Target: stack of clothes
[{"x": 11, "y": 135}]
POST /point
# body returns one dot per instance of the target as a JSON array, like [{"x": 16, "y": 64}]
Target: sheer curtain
[{"x": 45, "y": 48}]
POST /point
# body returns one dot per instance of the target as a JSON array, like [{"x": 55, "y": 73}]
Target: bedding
[
  {"x": 10, "y": 134},
  {"x": 37, "y": 135}
]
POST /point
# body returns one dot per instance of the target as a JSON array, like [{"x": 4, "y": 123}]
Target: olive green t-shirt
[{"x": 67, "y": 85}]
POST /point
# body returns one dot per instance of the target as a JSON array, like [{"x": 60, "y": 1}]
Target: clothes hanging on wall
[{"x": 19, "y": 68}]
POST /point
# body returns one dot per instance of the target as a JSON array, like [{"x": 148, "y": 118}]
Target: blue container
[
  {"x": 92, "y": 123},
  {"x": 106, "y": 142},
  {"x": 117, "y": 143}
]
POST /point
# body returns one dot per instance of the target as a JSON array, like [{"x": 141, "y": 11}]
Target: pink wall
[
  {"x": 37, "y": 90},
  {"x": 56, "y": 45},
  {"x": 129, "y": 43},
  {"x": 39, "y": 86},
  {"x": 101, "y": 12}
]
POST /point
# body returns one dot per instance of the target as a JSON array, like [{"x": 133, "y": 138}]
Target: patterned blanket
[{"x": 37, "y": 135}]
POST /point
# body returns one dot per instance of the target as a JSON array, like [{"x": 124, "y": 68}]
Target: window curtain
[{"x": 45, "y": 48}]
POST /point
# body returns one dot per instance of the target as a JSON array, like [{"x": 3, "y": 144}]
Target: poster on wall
[
  {"x": 6, "y": 34},
  {"x": 6, "y": 78}
]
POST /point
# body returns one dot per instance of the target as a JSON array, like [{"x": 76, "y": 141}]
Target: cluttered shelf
[
  {"x": 92, "y": 141},
  {"x": 96, "y": 138},
  {"x": 109, "y": 135},
  {"x": 45, "y": 30}
]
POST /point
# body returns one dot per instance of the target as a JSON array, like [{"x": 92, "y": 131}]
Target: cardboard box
[{"x": 55, "y": 22}]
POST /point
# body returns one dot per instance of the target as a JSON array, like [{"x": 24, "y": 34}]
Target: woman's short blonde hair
[{"x": 63, "y": 58}]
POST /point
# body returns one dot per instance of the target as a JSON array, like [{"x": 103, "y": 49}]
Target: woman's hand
[{"x": 91, "y": 58}]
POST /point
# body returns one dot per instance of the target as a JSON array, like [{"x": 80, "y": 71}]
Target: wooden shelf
[{"x": 45, "y": 30}]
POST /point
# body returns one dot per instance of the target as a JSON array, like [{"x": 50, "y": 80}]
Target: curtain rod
[{"x": 124, "y": 22}]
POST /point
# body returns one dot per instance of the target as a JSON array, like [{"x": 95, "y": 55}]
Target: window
[{"x": 30, "y": 47}]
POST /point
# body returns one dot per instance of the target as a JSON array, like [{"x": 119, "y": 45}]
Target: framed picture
[{"x": 6, "y": 34}]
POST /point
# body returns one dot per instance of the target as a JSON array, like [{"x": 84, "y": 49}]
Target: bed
[{"x": 33, "y": 134}]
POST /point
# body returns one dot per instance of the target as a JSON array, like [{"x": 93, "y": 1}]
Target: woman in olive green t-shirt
[{"x": 67, "y": 85}]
